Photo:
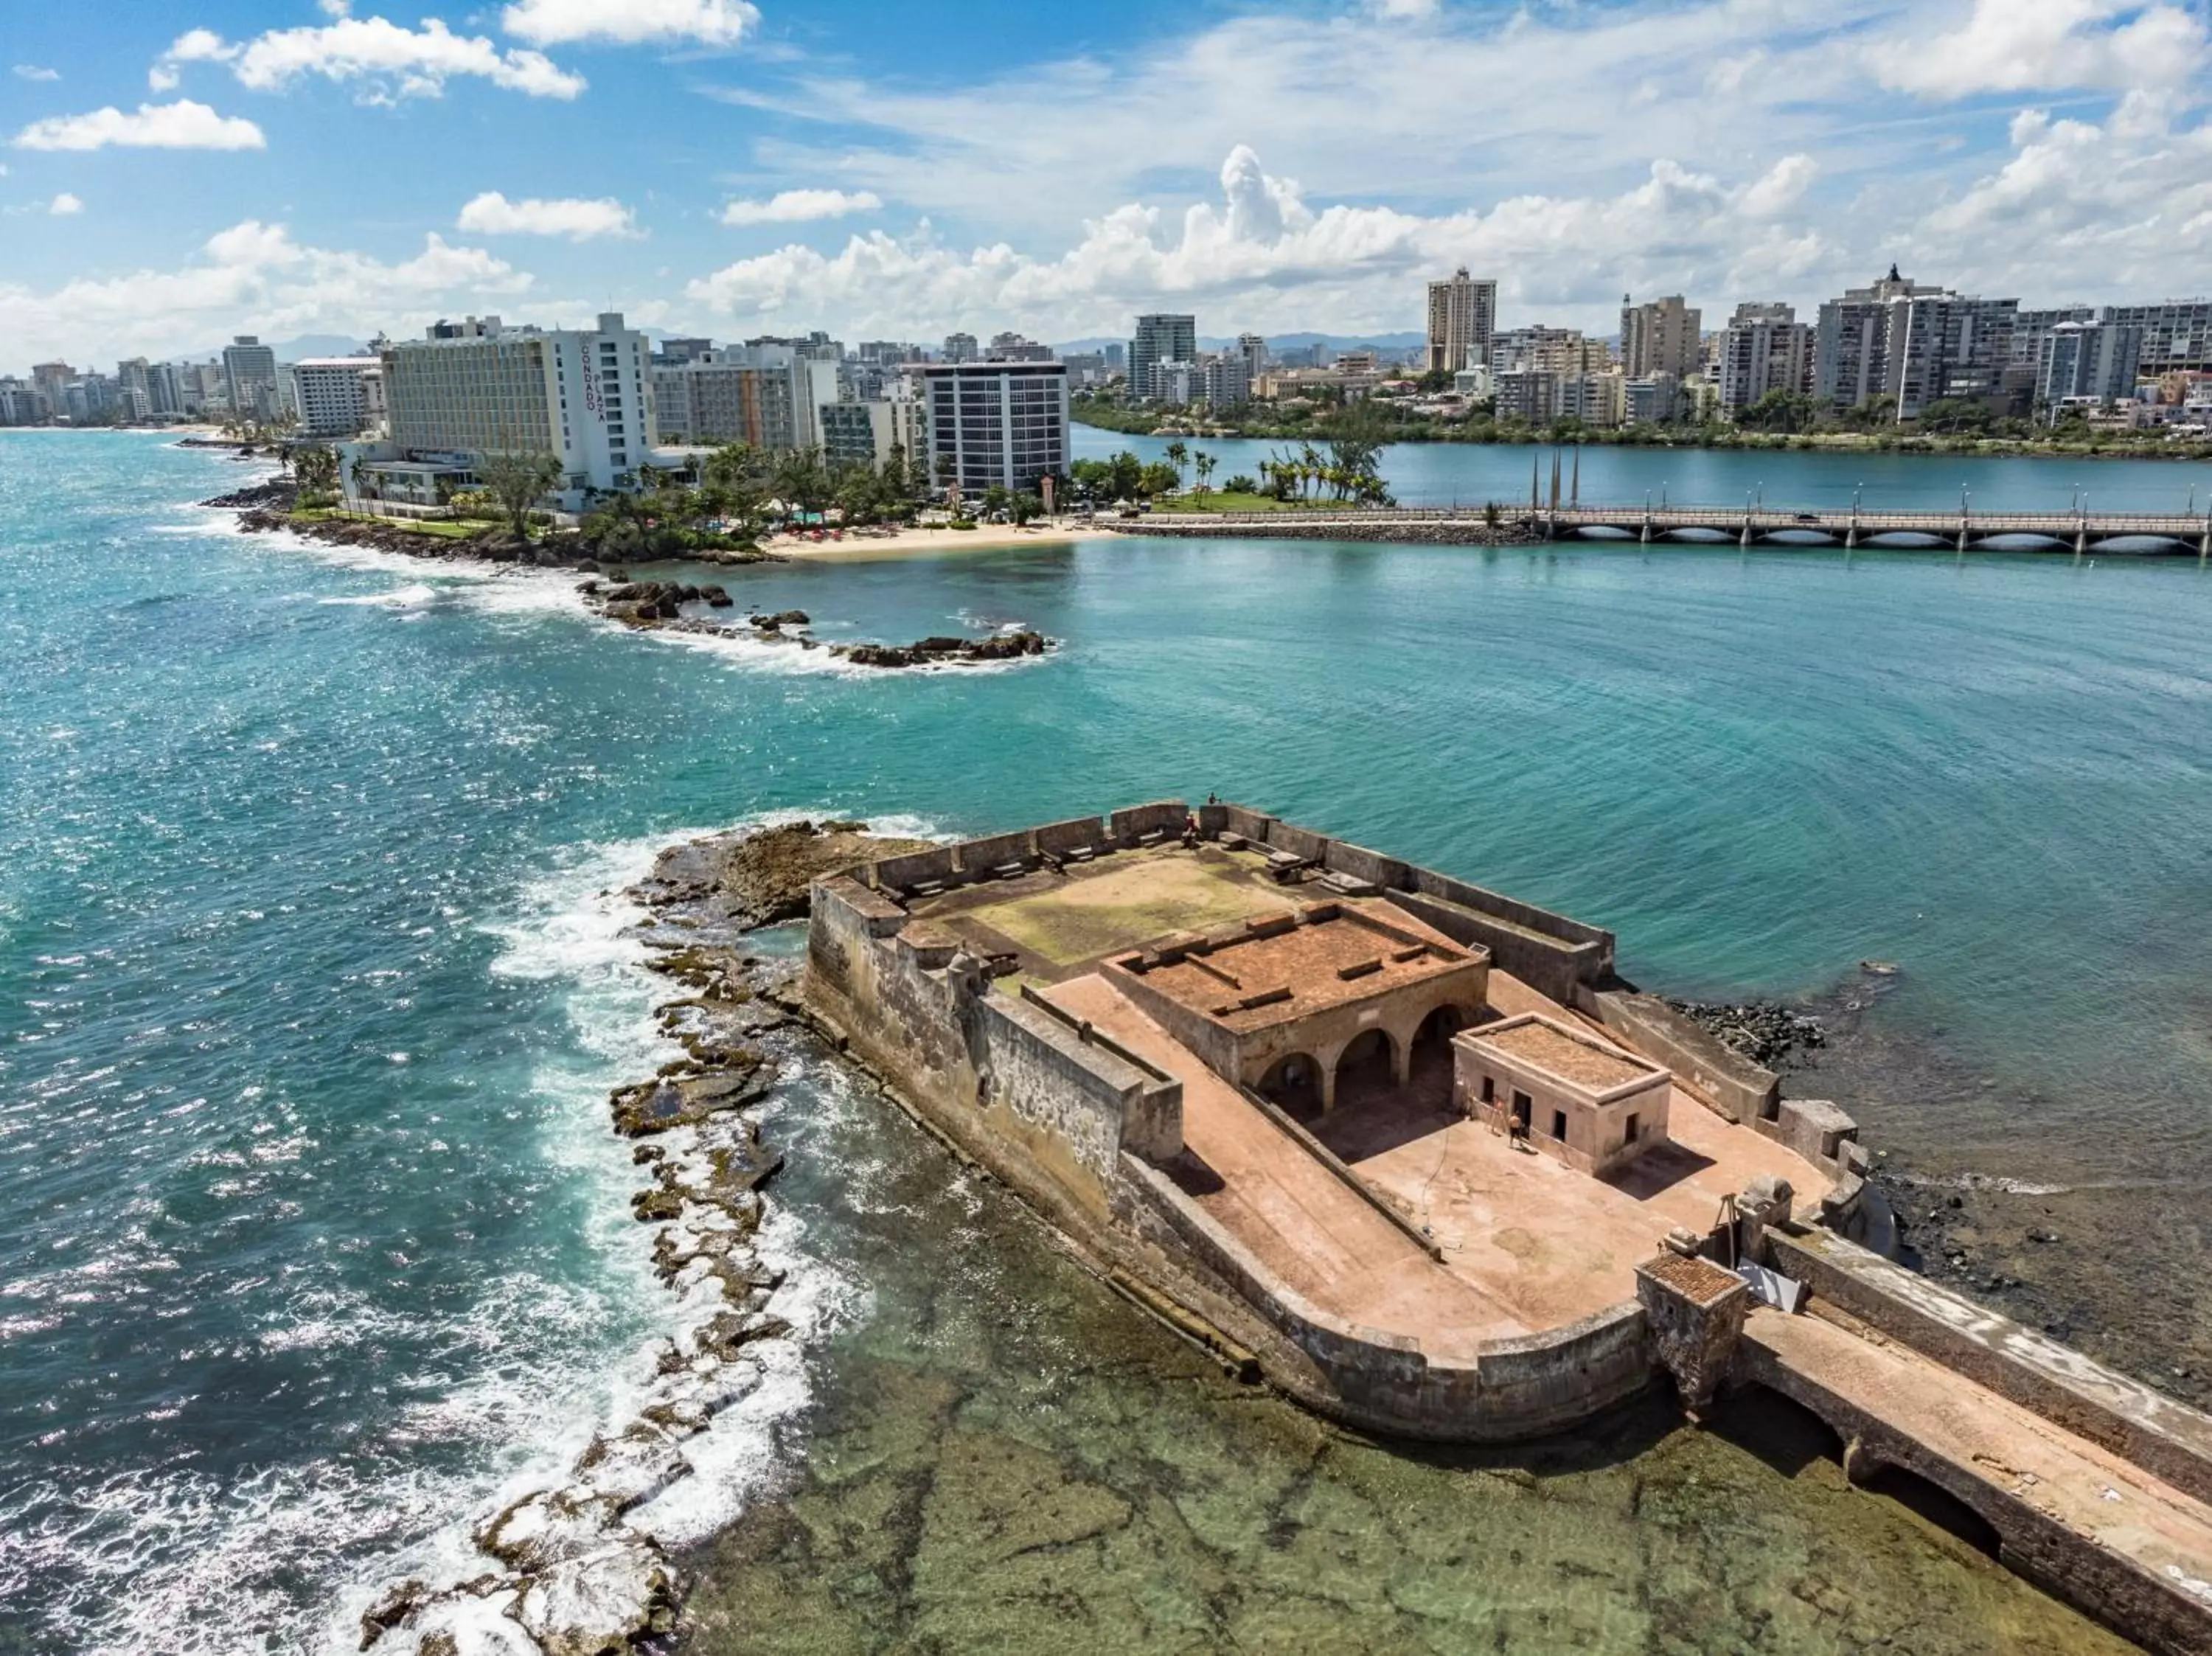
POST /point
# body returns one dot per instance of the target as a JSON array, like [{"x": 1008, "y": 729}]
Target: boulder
[
  {"x": 633, "y": 1466},
  {"x": 599, "y": 1604},
  {"x": 548, "y": 1525}
]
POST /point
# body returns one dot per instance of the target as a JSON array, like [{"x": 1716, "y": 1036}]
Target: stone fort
[{"x": 1413, "y": 1151}]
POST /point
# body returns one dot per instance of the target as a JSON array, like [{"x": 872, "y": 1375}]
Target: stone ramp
[{"x": 2087, "y": 1524}]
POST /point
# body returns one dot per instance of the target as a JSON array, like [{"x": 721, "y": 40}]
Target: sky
[{"x": 174, "y": 172}]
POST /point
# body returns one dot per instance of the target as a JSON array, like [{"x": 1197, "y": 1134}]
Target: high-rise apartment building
[
  {"x": 1014, "y": 348},
  {"x": 768, "y": 394},
  {"x": 1216, "y": 380},
  {"x": 249, "y": 369},
  {"x": 2087, "y": 363},
  {"x": 1159, "y": 338},
  {"x": 1254, "y": 350},
  {"x": 1912, "y": 343},
  {"x": 994, "y": 422},
  {"x": 960, "y": 347},
  {"x": 2031, "y": 329},
  {"x": 53, "y": 381},
  {"x": 1654, "y": 400},
  {"x": 22, "y": 403},
  {"x": 1763, "y": 348},
  {"x": 1552, "y": 351},
  {"x": 2177, "y": 334},
  {"x": 336, "y": 396},
  {"x": 1662, "y": 335},
  {"x": 859, "y": 433},
  {"x": 1462, "y": 317}
]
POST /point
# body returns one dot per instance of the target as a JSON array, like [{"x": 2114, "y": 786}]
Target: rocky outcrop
[
  {"x": 1767, "y": 1034},
  {"x": 647, "y": 605},
  {"x": 573, "y": 1568},
  {"x": 657, "y": 606},
  {"x": 562, "y": 549},
  {"x": 940, "y": 651},
  {"x": 277, "y": 494},
  {"x": 760, "y": 879}
]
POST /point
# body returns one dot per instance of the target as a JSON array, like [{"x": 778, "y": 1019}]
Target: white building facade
[
  {"x": 336, "y": 396},
  {"x": 478, "y": 387}
]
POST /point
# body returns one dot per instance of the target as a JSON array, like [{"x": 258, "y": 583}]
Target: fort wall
[
  {"x": 1512, "y": 1389},
  {"x": 2162, "y": 1436},
  {"x": 1015, "y": 1085},
  {"x": 1734, "y": 1086}
]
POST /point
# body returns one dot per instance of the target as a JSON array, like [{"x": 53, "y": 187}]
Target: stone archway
[
  {"x": 1293, "y": 1082},
  {"x": 1366, "y": 1067},
  {"x": 1429, "y": 1058}
]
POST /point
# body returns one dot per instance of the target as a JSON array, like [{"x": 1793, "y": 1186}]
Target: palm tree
[
  {"x": 1177, "y": 454},
  {"x": 1204, "y": 466}
]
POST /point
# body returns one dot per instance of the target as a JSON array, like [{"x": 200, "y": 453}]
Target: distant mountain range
[
  {"x": 1281, "y": 341},
  {"x": 331, "y": 344},
  {"x": 292, "y": 350}
]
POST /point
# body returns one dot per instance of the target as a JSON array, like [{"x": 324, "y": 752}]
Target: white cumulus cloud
[
  {"x": 493, "y": 214},
  {"x": 1264, "y": 256},
  {"x": 2022, "y": 45},
  {"x": 180, "y": 125},
  {"x": 34, "y": 72},
  {"x": 801, "y": 207},
  {"x": 65, "y": 205},
  {"x": 1780, "y": 187},
  {"x": 252, "y": 276},
  {"x": 389, "y": 59},
  {"x": 555, "y": 23}
]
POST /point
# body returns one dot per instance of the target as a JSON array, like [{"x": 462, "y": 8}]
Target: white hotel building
[{"x": 477, "y": 387}]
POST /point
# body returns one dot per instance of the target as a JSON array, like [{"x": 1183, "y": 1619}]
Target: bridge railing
[{"x": 1692, "y": 516}]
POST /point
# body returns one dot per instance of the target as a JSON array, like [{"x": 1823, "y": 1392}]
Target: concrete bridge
[
  {"x": 2078, "y": 532},
  {"x": 1851, "y": 526}
]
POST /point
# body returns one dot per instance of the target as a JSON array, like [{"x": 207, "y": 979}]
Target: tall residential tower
[{"x": 1462, "y": 316}]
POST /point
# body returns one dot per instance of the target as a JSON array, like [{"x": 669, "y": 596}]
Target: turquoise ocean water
[{"x": 312, "y": 1234}]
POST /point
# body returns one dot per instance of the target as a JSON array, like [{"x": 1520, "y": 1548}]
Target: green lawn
[
  {"x": 1222, "y": 501},
  {"x": 444, "y": 529}
]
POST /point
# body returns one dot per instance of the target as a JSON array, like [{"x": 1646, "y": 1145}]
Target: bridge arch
[{"x": 1932, "y": 1503}]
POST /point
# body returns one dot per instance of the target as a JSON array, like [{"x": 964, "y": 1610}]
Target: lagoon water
[
  {"x": 312, "y": 1236},
  {"x": 1467, "y": 474}
]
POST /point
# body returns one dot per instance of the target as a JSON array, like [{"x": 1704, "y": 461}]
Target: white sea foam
[
  {"x": 574, "y": 926},
  {"x": 411, "y": 596},
  {"x": 743, "y": 653}
]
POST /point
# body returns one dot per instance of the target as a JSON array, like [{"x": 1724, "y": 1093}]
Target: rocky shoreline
[
  {"x": 2050, "y": 1254},
  {"x": 607, "y": 590},
  {"x": 571, "y": 1569},
  {"x": 2042, "y": 1251}
]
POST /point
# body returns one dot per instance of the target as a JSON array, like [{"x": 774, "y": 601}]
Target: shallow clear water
[{"x": 313, "y": 1237}]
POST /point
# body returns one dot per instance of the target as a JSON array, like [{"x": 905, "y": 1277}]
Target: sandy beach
[{"x": 915, "y": 543}]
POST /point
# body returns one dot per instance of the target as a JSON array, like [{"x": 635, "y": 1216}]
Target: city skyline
[{"x": 198, "y": 170}]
